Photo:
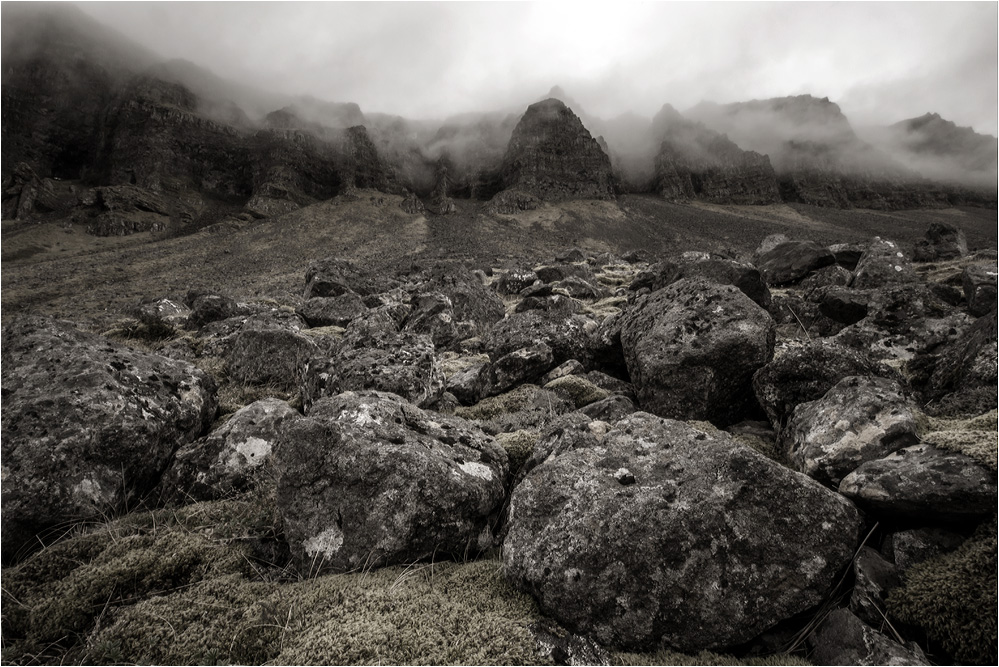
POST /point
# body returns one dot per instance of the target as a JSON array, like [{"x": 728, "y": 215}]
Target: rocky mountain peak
[{"x": 553, "y": 156}]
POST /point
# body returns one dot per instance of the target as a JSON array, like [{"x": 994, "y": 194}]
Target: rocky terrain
[{"x": 285, "y": 382}]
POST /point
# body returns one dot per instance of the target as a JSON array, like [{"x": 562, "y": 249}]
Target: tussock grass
[{"x": 977, "y": 437}]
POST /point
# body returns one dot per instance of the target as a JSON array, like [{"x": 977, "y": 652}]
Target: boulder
[
  {"x": 580, "y": 391},
  {"x": 979, "y": 284},
  {"x": 208, "y": 308},
  {"x": 791, "y": 261},
  {"x": 906, "y": 548},
  {"x": 692, "y": 348},
  {"x": 577, "y": 288},
  {"x": 571, "y": 367},
  {"x": 524, "y": 365},
  {"x": 610, "y": 409},
  {"x": 338, "y": 311},
  {"x": 716, "y": 269},
  {"x": 334, "y": 276},
  {"x": 859, "y": 419},
  {"x": 828, "y": 276},
  {"x": 162, "y": 317},
  {"x": 659, "y": 535},
  {"x": 843, "y": 304},
  {"x": 923, "y": 483},
  {"x": 88, "y": 426},
  {"x": 470, "y": 298},
  {"x": 232, "y": 459},
  {"x": 411, "y": 204},
  {"x": 433, "y": 315},
  {"x": 556, "y": 302},
  {"x": 404, "y": 364},
  {"x": 847, "y": 254},
  {"x": 843, "y": 639},
  {"x": 566, "y": 334},
  {"x": 469, "y": 385},
  {"x": 964, "y": 376},
  {"x": 943, "y": 241},
  {"x": 515, "y": 280},
  {"x": 555, "y": 272},
  {"x": 366, "y": 480},
  {"x": 273, "y": 357},
  {"x": 883, "y": 263}
]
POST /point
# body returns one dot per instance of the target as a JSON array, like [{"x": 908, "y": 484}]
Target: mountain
[{"x": 941, "y": 150}]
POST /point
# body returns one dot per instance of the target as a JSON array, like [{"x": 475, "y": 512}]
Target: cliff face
[
  {"x": 552, "y": 156},
  {"x": 817, "y": 156},
  {"x": 697, "y": 163}
]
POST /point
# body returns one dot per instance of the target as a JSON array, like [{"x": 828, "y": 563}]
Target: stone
[
  {"x": 964, "y": 376},
  {"x": 923, "y": 483},
  {"x": 337, "y": 311},
  {"x": 554, "y": 273},
  {"x": 515, "y": 280},
  {"x": 943, "y": 241},
  {"x": 719, "y": 270},
  {"x": 367, "y": 480},
  {"x": 874, "y": 578},
  {"x": 433, "y": 315},
  {"x": 843, "y": 639},
  {"x": 906, "y": 548},
  {"x": 571, "y": 367},
  {"x": 847, "y": 254},
  {"x": 402, "y": 363},
  {"x": 580, "y": 391},
  {"x": 334, "y": 276},
  {"x": 611, "y": 409},
  {"x": 883, "y": 263},
  {"x": 411, "y": 204},
  {"x": 524, "y": 365},
  {"x": 577, "y": 288},
  {"x": 208, "y": 308},
  {"x": 612, "y": 384},
  {"x": 88, "y": 426},
  {"x": 844, "y": 305},
  {"x": 567, "y": 335},
  {"x": 979, "y": 284},
  {"x": 273, "y": 357},
  {"x": 792, "y": 261},
  {"x": 692, "y": 348},
  {"x": 556, "y": 303},
  {"x": 469, "y": 385},
  {"x": 711, "y": 544},
  {"x": 234, "y": 458},
  {"x": 162, "y": 316},
  {"x": 858, "y": 420}
]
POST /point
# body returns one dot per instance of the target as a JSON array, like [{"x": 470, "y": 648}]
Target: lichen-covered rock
[
  {"x": 910, "y": 547},
  {"x": 88, "y": 425},
  {"x": 610, "y": 409},
  {"x": 921, "y": 482},
  {"x": 515, "y": 280},
  {"x": 162, "y": 316},
  {"x": 965, "y": 374},
  {"x": 524, "y": 365},
  {"x": 528, "y": 407},
  {"x": 334, "y": 276},
  {"x": 270, "y": 357},
  {"x": 338, "y": 311},
  {"x": 433, "y": 315},
  {"x": 657, "y": 534},
  {"x": 722, "y": 271},
  {"x": 577, "y": 288},
  {"x": 558, "y": 303},
  {"x": 844, "y": 305},
  {"x": 692, "y": 348},
  {"x": 843, "y": 639},
  {"x": 979, "y": 284},
  {"x": 791, "y": 261},
  {"x": 232, "y": 459},
  {"x": 567, "y": 335},
  {"x": 402, "y": 363},
  {"x": 806, "y": 373},
  {"x": 553, "y": 273},
  {"x": 471, "y": 299},
  {"x": 859, "y": 419},
  {"x": 942, "y": 241},
  {"x": 468, "y": 385},
  {"x": 883, "y": 263},
  {"x": 208, "y": 308},
  {"x": 366, "y": 480},
  {"x": 577, "y": 389}
]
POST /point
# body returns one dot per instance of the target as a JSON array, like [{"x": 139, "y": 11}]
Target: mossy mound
[
  {"x": 577, "y": 389},
  {"x": 526, "y": 407},
  {"x": 702, "y": 658},
  {"x": 519, "y": 446},
  {"x": 429, "y": 614},
  {"x": 977, "y": 437},
  {"x": 953, "y": 599}
]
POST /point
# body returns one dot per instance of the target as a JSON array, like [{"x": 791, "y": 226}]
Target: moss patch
[
  {"x": 452, "y": 363},
  {"x": 953, "y": 599},
  {"x": 523, "y": 397},
  {"x": 577, "y": 389},
  {"x": 431, "y": 614},
  {"x": 519, "y": 446},
  {"x": 975, "y": 437}
]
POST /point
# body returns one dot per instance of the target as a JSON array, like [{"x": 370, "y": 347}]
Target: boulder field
[{"x": 592, "y": 460}]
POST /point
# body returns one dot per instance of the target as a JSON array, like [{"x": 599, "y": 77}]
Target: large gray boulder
[
  {"x": 691, "y": 349},
  {"x": 274, "y": 357},
  {"x": 234, "y": 458},
  {"x": 979, "y": 284},
  {"x": 860, "y": 419},
  {"x": 659, "y": 535},
  {"x": 88, "y": 425},
  {"x": 716, "y": 269},
  {"x": 366, "y": 479},
  {"x": 943, "y": 241},
  {"x": 791, "y": 261},
  {"x": 923, "y": 483},
  {"x": 965, "y": 373},
  {"x": 883, "y": 263},
  {"x": 567, "y": 335},
  {"x": 843, "y": 639}
]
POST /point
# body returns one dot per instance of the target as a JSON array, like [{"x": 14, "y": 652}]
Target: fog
[{"x": 881, "y": 62}]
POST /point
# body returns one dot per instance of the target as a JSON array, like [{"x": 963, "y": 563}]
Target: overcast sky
[{"x": 881, "y": 62}]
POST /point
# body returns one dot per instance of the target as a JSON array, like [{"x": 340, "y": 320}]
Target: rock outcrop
[{"x": 552, "y": 156}]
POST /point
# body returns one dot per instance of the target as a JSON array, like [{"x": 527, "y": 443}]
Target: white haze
[{"x": 881, "y": 62}]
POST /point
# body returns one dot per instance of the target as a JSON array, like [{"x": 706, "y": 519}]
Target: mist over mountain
[{"x": 84, "y": 103}]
